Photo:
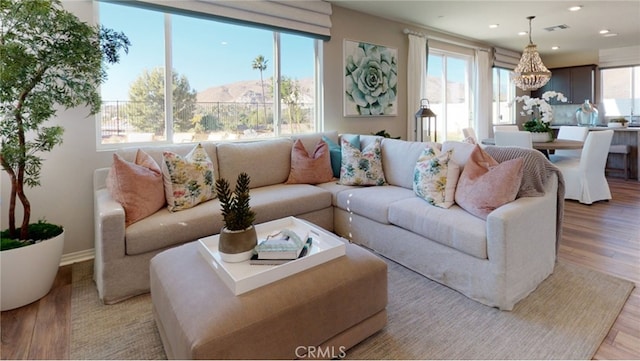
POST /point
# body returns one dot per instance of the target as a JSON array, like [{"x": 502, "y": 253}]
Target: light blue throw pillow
[{"x": 335, "y": 152}]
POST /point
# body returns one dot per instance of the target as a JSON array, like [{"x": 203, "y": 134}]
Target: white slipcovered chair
[
  {"x": 514, "y": 139},
  {"x": 570, "y": 133},
  {"x": 584, "y": 177},
  {"x": 505, "y": 128},
  {"x": 470, "y": 133}
]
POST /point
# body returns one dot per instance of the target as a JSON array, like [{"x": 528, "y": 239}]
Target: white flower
[{"x": 544, "y": 109}]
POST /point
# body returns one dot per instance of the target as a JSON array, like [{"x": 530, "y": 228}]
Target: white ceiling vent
[{"x": 557, "y": 27}]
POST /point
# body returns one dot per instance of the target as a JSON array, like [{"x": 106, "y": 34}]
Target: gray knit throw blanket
[{"x": 536, "y": 171}]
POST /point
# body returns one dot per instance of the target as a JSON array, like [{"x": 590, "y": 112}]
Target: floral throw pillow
[
  {"x": 361, "y": 167},
  {"x": 435, "y": 177},
  {"x": 188, "y": 181}
]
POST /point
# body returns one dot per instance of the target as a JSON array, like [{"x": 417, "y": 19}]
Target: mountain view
[{"x": 250, "y": 91}]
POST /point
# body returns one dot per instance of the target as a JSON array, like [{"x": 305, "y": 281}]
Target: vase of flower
[{"x": 541, "y": 113}]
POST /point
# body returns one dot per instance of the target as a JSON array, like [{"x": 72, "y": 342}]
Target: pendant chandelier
[{"x": 531, "y": 74}]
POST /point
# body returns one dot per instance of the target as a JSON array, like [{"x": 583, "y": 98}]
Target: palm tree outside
[{"x": 260, "y": 63}]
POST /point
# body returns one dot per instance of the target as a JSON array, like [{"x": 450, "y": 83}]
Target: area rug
[{"x": 566, "y": 317}]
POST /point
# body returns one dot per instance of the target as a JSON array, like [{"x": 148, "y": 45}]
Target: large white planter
[{"x": 28, "y": 272}]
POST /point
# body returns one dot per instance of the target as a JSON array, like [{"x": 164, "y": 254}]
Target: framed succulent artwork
[{"x": 370, "y": 80}]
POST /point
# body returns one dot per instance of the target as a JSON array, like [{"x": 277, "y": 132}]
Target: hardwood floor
[{"x": 604, "y": 236}]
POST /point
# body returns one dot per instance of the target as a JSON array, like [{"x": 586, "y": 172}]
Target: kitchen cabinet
[{"x": 577, "y": 83}]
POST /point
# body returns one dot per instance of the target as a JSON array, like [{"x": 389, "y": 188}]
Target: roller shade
[
  {"x": 309, "y": 17},
  {"x": 506, "y": 59},
  {"x": 610, "y": 58}
]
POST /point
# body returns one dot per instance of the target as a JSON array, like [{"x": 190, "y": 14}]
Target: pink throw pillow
[
  {"x": 137, "y": 186},
  {"x": 310, "y": 168},
  {"x": 485, "y": 184}
]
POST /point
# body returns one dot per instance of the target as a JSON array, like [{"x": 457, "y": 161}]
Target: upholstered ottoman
[{"x": 320, "y": 312}]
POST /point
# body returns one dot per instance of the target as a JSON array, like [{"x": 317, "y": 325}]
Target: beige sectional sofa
[{"x": 496, "y": 262}]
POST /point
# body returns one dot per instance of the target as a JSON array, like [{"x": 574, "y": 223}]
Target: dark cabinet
[{"x": 577, "y": 83}]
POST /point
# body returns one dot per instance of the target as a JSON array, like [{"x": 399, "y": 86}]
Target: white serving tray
[{"x": 242, "y": 277}]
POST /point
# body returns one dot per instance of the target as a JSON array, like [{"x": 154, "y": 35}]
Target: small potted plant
[
  {"x": 618, "y": 123},
  {"x": 238, "y": 237}
]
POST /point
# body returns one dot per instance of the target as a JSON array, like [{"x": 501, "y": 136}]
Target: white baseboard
[{"x": 75, "y": 257}]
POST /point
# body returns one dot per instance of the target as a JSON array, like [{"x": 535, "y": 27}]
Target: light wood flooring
[{"x": 604, "y": 236}]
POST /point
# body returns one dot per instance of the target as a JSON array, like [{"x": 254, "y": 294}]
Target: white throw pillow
[{"x": 435, "y": 177}]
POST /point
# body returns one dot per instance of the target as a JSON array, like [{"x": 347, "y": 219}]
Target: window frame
[
  {"x": 634, "y": 114},
  {"x": 497, "y": 74},
  {"x": 317, "y": 122},
  {"x": 468, "y": 84}
]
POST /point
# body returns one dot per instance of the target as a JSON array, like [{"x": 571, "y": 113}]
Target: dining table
[{"x": 545, "y": 147}]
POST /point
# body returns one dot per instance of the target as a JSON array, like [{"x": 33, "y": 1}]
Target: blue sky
[{"x": 208, "y": 53}]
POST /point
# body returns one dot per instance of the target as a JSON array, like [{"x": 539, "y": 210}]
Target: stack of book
[{"x": 281, "y": 247}]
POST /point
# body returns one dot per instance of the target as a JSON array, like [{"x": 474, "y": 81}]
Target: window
[
  {"x": 449, "y": 93},
  {"x": 621, "y": 92},
  {"x": 503, "y": 92},
  {"x": 220, "y": 87}
]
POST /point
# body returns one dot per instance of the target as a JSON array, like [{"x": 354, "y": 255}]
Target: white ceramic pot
[
  {"x": 541, "y": 137},
  {"x": 28, "y": 272}
]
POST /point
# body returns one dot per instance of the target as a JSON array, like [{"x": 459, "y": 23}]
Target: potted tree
[
  {"x": 48, "y": 58},
  {"x": 238, "y": 237}
]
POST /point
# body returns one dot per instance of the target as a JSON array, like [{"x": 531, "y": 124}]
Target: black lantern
[{"x": 425, "y": 113}]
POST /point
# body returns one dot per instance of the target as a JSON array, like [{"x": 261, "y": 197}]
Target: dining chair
[
  {"x": 470, "y": 133},
  {"x": 514, "y": 139},
  {"x": 505, "y": 128},
  {"x": 570, "y": 133},
  {"x": 584, "y": 177}
]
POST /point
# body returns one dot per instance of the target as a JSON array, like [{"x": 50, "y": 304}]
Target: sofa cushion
[
  {"x": 399, "y": 160},
  {"x": 310, "y": 168},
  {"x": 461, "y": 151},
  {"x": 485, "y": 184},
  {"x": 189, "y": 180},
  {"x": 267, "y": 162},
  {"x": 453, "y": 227},
  {"x": 310, "y": 140},
  {"x": 361, "y": 167},
  {"x": 137, "y": 186},
  {"x": 283, "y": 200},
  {"x": 373, "y": 202},
  {"x": 155, "y": 151},
  {"x": 435, "y": 177},
  {"x": 334, "y": 188},
  {"x": 164, "y": 229}
]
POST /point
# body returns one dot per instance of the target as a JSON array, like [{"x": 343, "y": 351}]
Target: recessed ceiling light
[
  {"x": 523, "y": 33},
  {"x": 608, "y": 35},
  {"x": 604, "y": 31},
  {"x": 493, "y": 26},
  {"x": 575, "y": 8},
  {"x": 555, "y": 47}
]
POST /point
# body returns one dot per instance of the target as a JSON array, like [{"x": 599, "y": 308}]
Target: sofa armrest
[
  {"x": 100, "y": 178},
  {"x": 523, "y": 232},
  {"x": 109, "y": 227}
]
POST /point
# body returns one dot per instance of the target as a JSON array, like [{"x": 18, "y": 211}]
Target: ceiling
[{"x": 471, "y": 20}]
